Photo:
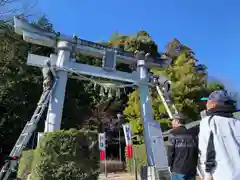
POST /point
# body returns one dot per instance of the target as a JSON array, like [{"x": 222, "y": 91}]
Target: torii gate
[{"x": 156, "y": 155}]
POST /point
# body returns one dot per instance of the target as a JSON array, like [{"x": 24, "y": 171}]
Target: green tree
[
  {"x": 141, "y": 41},
  {"x": 20, "y": 87},
  {"x": 188, "y": 86}
]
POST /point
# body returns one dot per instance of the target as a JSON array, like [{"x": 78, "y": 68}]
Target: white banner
[
  {"x": 102, "y": 141},
  {"x": 127, "y": 133}
]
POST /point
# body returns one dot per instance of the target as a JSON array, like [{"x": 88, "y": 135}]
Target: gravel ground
[
  {"x": 121, "y": 176},
  {"x": 117, "y": 176}
]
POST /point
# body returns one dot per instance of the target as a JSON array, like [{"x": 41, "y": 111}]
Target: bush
[
  {"x": 113, "y": 166},
  {"x": 25, "y": 164},
  {"x": 65, "y": 155}
]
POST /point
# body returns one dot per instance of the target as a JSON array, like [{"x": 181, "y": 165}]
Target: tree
[
  {"x": 188, "y": 86},
  {"x": 11, "y": 8},
  {"x": 21, "y": 88}
]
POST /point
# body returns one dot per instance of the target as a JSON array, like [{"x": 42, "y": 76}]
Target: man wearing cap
[
  {"x": 182, "y": 150},
  {"x": 219, "y": 139}
]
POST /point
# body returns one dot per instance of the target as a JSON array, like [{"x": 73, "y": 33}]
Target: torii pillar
[{"x": 55, "y": 108}]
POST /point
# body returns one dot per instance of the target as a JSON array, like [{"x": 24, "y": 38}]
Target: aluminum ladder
[
  {"x": 11, "y": 163},
  {"x": 166, "y": 101}
]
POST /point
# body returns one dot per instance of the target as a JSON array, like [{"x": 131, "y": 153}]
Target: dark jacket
[{"x": 182, "y": 151}]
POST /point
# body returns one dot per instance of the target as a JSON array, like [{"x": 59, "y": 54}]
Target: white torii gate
[{"x": 156, "y": 155}]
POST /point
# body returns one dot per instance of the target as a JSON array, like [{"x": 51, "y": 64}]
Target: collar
[{"x": 226, "y": 111}]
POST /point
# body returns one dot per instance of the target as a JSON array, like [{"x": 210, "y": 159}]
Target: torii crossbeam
[{"x": 156, "y": 155}]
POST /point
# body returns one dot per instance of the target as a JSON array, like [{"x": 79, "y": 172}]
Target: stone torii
[{"x": 63, "y": 63}]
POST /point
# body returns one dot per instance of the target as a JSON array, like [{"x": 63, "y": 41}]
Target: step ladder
[
  {"x": 167, "y": 101},
  {"x": 11, "y": 163}
]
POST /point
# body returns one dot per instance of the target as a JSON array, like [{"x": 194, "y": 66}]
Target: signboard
[
  {"x": 102, "y": 146},
  {"x": 109, "y": 60},
  {"x": 128, "y": 140}
]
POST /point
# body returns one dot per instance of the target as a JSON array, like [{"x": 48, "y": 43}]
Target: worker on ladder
[{"x": 48, "y": 78}]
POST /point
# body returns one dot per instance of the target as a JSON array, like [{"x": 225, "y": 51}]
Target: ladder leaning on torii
[
  {"x": 11, "y": 163},
  {"x": 61, "y": 64}
]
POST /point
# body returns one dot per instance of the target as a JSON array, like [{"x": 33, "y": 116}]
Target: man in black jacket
[{"x": 182, "y": 150}]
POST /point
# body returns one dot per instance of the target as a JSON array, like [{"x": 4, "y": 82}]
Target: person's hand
[{"x": 208, "y": 176}]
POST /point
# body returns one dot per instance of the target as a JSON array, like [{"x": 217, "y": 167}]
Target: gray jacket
[{"x": 219, "y": 145}]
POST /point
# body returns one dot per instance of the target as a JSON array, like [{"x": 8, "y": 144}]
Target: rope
[{"x": 105, "y": 84}]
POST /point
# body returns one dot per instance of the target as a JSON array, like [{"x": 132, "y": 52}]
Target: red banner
[
  {"x": 102, "y": 146},
  {"x": 129, "y": 151},
  {"x": 102, "y": 155},
  {"x": 128, "y": 140}
]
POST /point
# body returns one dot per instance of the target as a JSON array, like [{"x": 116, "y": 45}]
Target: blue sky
[{"x": 210, "y": 27}]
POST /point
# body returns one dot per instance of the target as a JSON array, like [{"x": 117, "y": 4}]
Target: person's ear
[
  {"x": 214, "y": 104},
  {"x": 211, "y": 104}
]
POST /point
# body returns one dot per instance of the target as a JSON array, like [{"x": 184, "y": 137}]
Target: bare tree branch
[{"x": 11, "y": 8}]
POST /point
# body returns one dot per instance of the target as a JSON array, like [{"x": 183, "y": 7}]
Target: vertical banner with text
[
  {"x": 102, "y": 146},
  {"x": 128, "y": 139}
]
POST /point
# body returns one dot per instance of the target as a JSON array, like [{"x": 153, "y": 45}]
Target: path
[
  {"x": 120, "y": 176},
  {"x": 117, "y": 176}
]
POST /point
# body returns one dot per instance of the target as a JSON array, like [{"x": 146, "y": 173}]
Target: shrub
[
  {"x": 113, "y": 166},
  {"x": 65, "y": 155},
  {"x": 25, "y": 164}
]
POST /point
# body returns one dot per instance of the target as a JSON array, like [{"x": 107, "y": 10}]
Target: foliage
[
  {"x": 212, "y": 86},
  {"x": 44, "y": 23},
  {"x": 140, "y": 41},
  {"x": 21, "y": 87},
  {"x": 188, "y": 86},
  {"x": 174, "y": 48},
  {"x": 25, "y": 164},
  {"x": 139, "y": 156},
  {"x": 68, "y": 154},
  {"x": 237, "y": 115}
]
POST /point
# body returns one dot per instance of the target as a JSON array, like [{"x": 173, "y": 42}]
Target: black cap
[{"x": 221, "y": 97}]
